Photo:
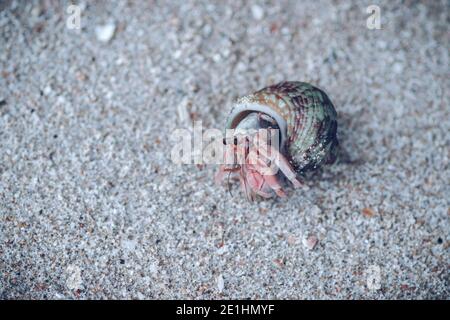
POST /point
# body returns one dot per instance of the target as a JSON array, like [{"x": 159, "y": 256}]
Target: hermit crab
[{"x": 279, "y": 133}]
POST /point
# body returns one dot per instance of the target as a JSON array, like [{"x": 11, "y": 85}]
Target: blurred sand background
[{"x": 91, "y": 205}]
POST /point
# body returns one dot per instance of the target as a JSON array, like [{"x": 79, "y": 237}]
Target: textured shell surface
[{"x": 306, "y": 118}]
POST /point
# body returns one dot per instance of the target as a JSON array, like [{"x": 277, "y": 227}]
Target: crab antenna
[
  {"x": 244, "y": 182},
  {"x": 228, "y": 184},
  {"x": 244, "y": 179}
]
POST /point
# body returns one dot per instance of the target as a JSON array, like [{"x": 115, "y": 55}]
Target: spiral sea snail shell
[{"x": 305, "y": 119}]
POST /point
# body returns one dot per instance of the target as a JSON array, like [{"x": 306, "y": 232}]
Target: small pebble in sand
[
  {"x": 310, "y": 242},
  {"x": 291, "y": 240},
  {"x": 73, "y": 281},
  {"x": 81, "y": 76},
  {"x": 397, "y": 68},
  {"x": 105, "y": 32},
  {"x": 257, "y": 12},
  {"x": 48, "y": 90},
  {"x": 368, "y": 213},
  {"x": 279, "y": 262},
  {"x": 36, "y": 11}
]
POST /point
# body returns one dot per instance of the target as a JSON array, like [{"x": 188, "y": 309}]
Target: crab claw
[
  {"x": 258, "y": 183},
  {"x": 257, "y": 165},
  {"x": 267, "y": 174},
  {"x": 271, "y": 155}
]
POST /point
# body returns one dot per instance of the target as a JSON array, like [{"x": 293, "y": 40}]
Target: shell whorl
[{"x": 306, "y": 118}]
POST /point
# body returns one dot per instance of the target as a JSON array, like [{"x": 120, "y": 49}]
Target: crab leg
[
  {"x": 273, "y": 155},
  {"x": 268, "y": 173},
  {"x": 220, "y": 174},
  {"x": 257, "y": 183},
  {"x": 245, "y": 185},
  {"x": 283, "y": 164}
]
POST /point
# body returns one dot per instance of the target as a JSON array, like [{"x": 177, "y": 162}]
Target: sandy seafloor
[{"x": 91, "y": 205}]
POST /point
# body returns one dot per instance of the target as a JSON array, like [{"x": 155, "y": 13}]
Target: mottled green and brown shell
[{"x": 306, "y": 118}]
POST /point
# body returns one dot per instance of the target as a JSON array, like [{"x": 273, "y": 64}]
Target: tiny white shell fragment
[
  {"x": 73, "y": 281},
  {"x": 220, "y": 283},
  {"x": 183, "y": 113},
  {"x": 48, "y": 90},
  {"x": 105, "y": 32},
  {"x": 257, "y": 12},
  {"x": 222, "y": 250},
  {"x": 310, "y": 242}
]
